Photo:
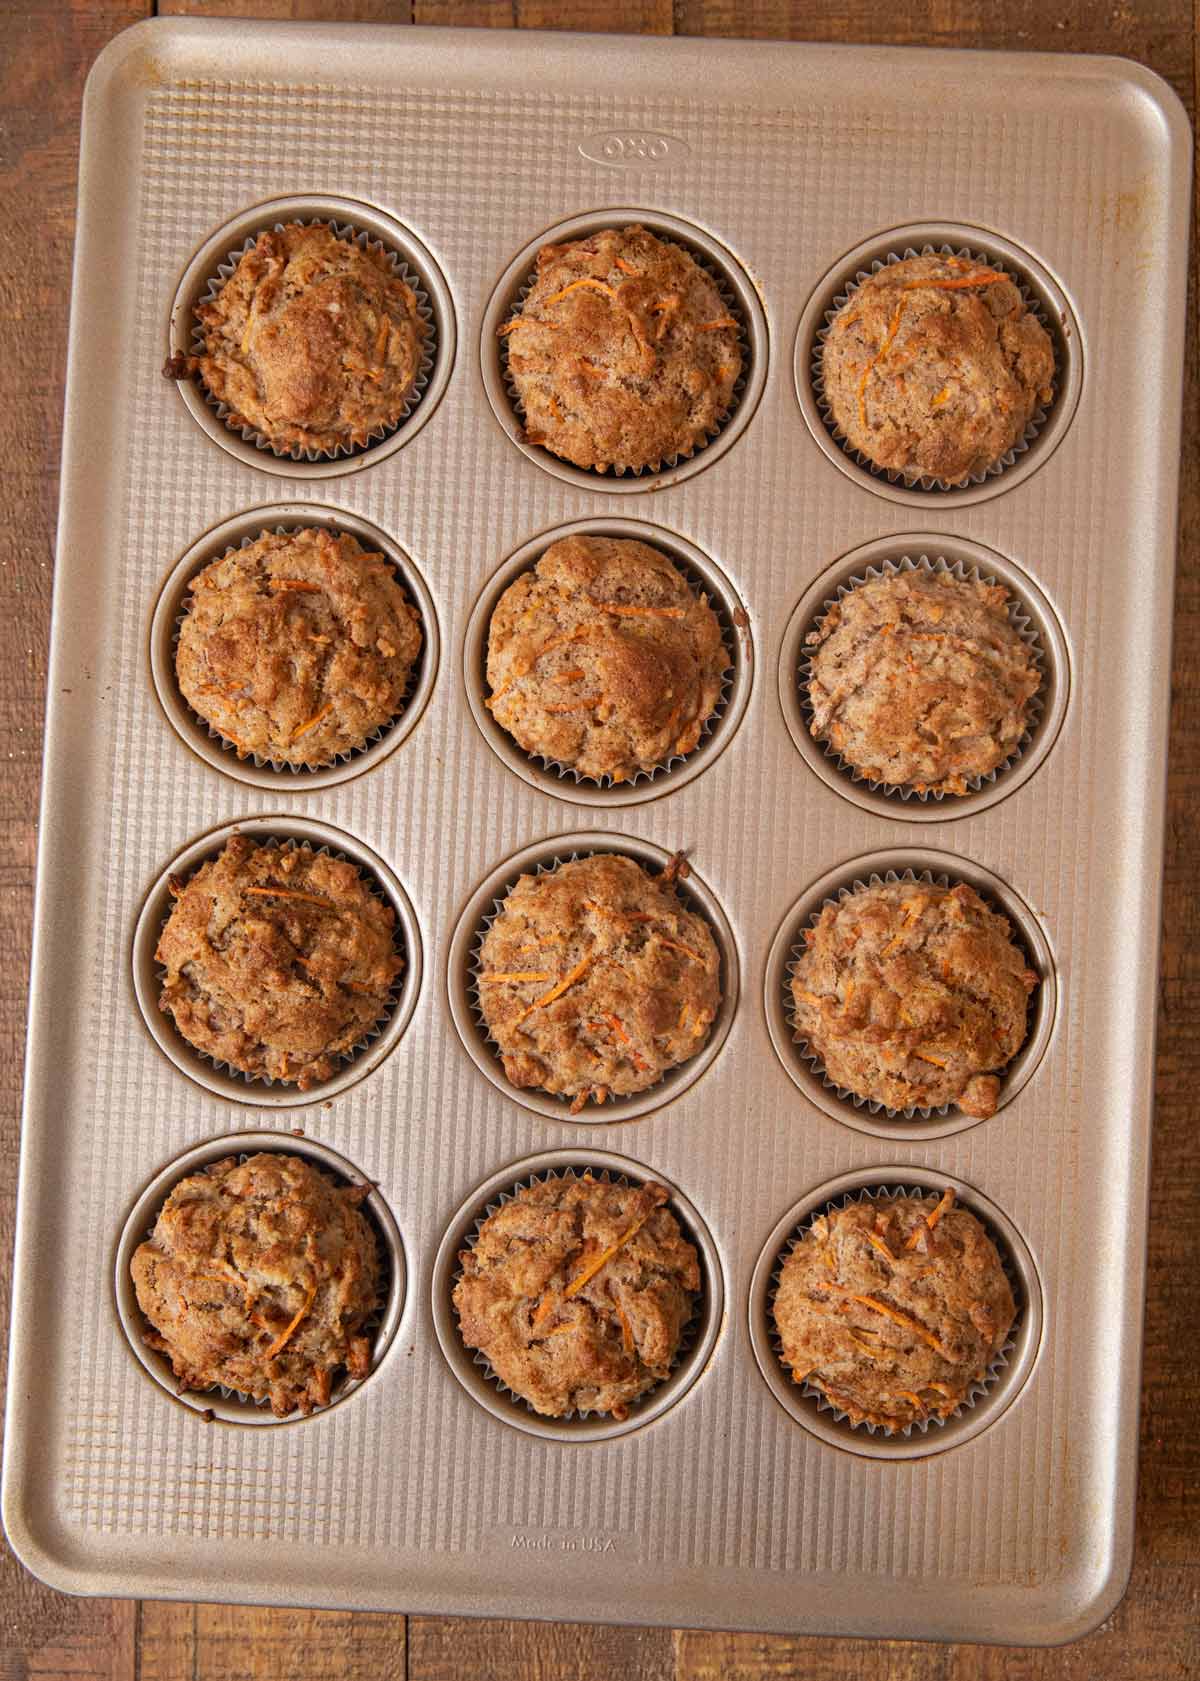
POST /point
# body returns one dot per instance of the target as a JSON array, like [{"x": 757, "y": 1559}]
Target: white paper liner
[
  {"x": 981, "y": 1387},
  {"x": 476, "y": 1002},
  {"x": 381, "y": 1021},
  {"x": 916, "y": 481},
  {"x": 688, "y": 1335},
  {"x": 1017, "y": 617},
  {"x": 370, "y": 1325},
  {"x": 730, "y": 300},
  {"x": 283, "y": 767},
  {"x": 429, "y": 343},
  {"x": 872, "y": 1105},
  {"x": 699, "y": 586}
]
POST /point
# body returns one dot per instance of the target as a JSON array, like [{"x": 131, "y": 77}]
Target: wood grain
[{"x": 45, "y": 49}]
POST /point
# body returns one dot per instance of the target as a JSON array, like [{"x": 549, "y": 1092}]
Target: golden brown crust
[
  {"x": 259, "y": 1276},
  {"x": 298, "y": 646},
  {"x": 602, "y": 659},
  {"x": 594, "y": 979},
  {"x": 933, "y": 367},
  {"x": 278, "y": 960},
  {"x": 920, "y": 680},
  {"x": 313, "y": 342},
  {"x": 577, "y": 1293},
  {"x": 894, "y": 1308},
  {"x": 913, "y": 995},
  {"x": 623, "y": 353}
]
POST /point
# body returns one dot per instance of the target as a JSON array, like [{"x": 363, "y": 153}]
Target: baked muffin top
[
  {"x": 259, "y": 1276},
  {"x": 313, "y": 342},
  {"x": 278, "y": 960},
  {"x": 933, "y": 367},
  {"x": 894, "y": 1308},
  {"x": 913, "y": 995},
  {"x": 623, "y": 353},
  {"x": 920, "y": 680},
  {"x": 577, "y": 1293},
  {"x": 602, "y": 659},
  {"x": 594, "y": 979},
  {"x": 298, "y": 646}
]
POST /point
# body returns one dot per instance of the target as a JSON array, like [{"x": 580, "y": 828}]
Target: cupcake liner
[
  {"x": 700, "y": 586},
  {"x": 429, "y": 348},
  {"x": 732, "y": 305},
  {"x": 1017, "y": 617},
  {"x": 872, "y": 1105},
  {"x": 281, "y": 766},
  {"x": 688, "y": 1336},
  {"x": 376, "y": 1029},
  {"x": 370, "y": 1326},
  {"x": 475, "y": 1001},
  {"x": 913, "y": 481},
  {"x": 981, "y": 1386}
]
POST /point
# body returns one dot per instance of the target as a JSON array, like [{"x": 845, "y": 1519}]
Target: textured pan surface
[{"x": 723, "y": 1511}]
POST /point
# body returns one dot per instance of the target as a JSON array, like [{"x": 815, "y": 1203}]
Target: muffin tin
[{"x": 729, "y": 1498}]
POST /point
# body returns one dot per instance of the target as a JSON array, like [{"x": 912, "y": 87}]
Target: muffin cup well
[
  {"x": 1029, "y": 611},
  {"x": 462, "y": 971},
  {"x": 561, "y": 780},
  {"x": 352, "y": 220},
  {"x": 231, "y": 1406},
  {"x": 991, "y": 1396},
  {"x": 472, "y": 1369},
  {"x": 1042, "y": 296},
  {"x": 738, "y": 295},
  {"x": 218, "y": 1077},
  {"x": 172, "y": 607},
  {"x": 915, "y": 1124}
]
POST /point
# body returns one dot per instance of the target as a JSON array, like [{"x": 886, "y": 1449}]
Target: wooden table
[{"x": 46, "y": 48}]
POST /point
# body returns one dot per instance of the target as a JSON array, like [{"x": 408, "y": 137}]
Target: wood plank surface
[{"x": 46, "y": 47}]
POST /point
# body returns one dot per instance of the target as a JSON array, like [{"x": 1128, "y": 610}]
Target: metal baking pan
[{"x": 731, "y": 1501}]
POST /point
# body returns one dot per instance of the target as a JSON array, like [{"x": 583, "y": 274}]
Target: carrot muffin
[
  {"x": 259, "y": 1276},
  {"x": 602, "y": 659},
  {"x": 278, "y": 960},
  {"x": 913, "y": 996},
  {"x": 934, "y": 367},
  {"x": 594, "y": 980},
  {"x": 623, "y": 353},
  {"x": 298, "y": 646},
  {"x": 920, "y": 680},
  {"x": 577, "y": 1293},
  {"x": 894, "y": 1308},
  {"x": 313, "y": 342}
]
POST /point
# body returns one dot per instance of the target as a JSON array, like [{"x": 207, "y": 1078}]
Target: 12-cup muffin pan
[{"x": 730, "y": 1496}]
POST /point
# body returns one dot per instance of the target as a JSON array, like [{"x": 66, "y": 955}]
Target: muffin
[
  {"x": 278, "y": 960},
  {"x": 297, "y": 647},
  {"x": 602, "y": 659},
  {"x": 594, "y": 980},
  {"x": 260, "y": 1276},
  {"x": 919, "y": 680},
  {"x": 913, "y": 996},
  {"x": 623, "y": 353},
  {"x": 894, "y": 1308},
  {"x": 933, "y": 367},
  {"x": 577, "y": 1292},
  {"x": 313, "y": 342}
]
